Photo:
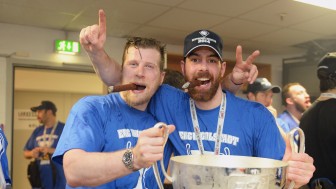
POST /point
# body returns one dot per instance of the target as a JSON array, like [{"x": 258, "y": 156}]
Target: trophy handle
[
  {"x": 301, "y": 149},
  {"x": 155, "y": 166}
]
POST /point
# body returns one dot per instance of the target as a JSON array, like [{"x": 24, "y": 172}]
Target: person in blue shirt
[
  {"x": 296, "y": 101},
  {"x": 208, "y": 119},
  {"x": 109, "y": 141},
  {"x": 42, "y": 143},
  {"x": 3, "y": 157}
]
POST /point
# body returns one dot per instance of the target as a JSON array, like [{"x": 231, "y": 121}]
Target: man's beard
[
  {"x": 301, "y": 108},
  {"x": 134, "y": 100},
  {"x": 205, "y": 96}
]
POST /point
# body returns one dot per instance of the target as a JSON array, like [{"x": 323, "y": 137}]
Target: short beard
[
  {"x": 300, "y": 107},
  {"x": 130, "y": 100},
  {"x": 207, "y": 95}
]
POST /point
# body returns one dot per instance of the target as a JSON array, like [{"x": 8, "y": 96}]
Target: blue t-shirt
[
  {"x": 3, "y": 156},
  {"x": 108, "y": 124},
  {"x": 289, "y": 120},
  {"x": 249, "y": 128},
  {"x": 46, "y": 173}
]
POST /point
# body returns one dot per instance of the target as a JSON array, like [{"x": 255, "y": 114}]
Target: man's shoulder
[
  {"x": 239, "y": 101},
  {"x": 283, "y": 115}
]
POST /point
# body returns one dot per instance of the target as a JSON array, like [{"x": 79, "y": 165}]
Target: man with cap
[
  {"x": 319, "y": 126},
  {"x": 261, "y": 90},
  {"x": 42, "y": 143},
  {"x": 208, "y": 119}
]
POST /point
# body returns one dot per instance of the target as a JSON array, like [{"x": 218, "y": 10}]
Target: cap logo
[
  {"x": 266, "y": 83},
  {"x": 204, "y": 38}
]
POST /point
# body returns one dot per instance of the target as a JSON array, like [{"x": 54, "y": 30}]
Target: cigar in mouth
[
  {"x": 125, "y": 87},
  {"x": 191, "y": 84}
]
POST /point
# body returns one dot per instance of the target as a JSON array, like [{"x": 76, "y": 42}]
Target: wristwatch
[{"x": 128, "y": 159}]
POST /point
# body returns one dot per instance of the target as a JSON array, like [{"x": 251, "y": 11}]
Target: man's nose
[
  {"x": 140, "y": 71},
  {"x": 204, "y": 65}
]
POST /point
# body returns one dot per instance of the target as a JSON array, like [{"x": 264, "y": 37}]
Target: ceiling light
[{"x": 320, "y": 3}]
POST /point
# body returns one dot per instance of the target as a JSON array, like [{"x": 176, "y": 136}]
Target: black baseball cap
[
  {"x": 203, "y": 38},
  {"x": 328, "y": 65},
  {"x": 45, "y": 105},
  {"x": 262, "y": 84}
]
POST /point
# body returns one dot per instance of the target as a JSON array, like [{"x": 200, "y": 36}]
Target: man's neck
[
  {"x": 331, "y": 91},
  {"x": 212, "y": 103},
  {"x": 296, "y": 114},
  {"x": 50, "y": 122}
]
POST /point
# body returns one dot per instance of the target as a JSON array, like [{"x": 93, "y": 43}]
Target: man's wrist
[
  {"x": 231, "y": 79},
  {"x": 128, "y": 159}
]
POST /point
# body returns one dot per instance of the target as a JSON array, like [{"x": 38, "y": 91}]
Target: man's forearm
[
  {"x": 99, "y": 168},
  {"x": 228, "y": 84},
  {"x": 108, "y": 69}
]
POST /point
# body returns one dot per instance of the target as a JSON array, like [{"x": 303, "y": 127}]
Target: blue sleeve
[
  {"x": 3, "y": 156},
  {"x": 269, "y": 143},
  {"x": 82, "y": 130},
  {"x": 166, "y": 103}
]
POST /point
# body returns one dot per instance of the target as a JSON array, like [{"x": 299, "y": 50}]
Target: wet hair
[{"x": 146, "y": 43}]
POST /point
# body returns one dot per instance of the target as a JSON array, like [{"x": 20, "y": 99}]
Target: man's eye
[
  {"x": 213, "y": 61},
  {"x": 132, "y": 64},
  {"x": 150, "y": 66},
  {"x": 195, "y": 60}
]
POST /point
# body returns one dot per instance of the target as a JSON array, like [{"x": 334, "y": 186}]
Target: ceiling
[{"x": 273, "y": 26}]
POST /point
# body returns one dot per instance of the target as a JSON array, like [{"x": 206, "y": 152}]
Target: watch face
[{"x": 128, "y": 159}]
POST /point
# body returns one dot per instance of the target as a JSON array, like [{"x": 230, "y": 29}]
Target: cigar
[
  {"x": 125, "y": 87},
  {"x": 192, "y": 84}
]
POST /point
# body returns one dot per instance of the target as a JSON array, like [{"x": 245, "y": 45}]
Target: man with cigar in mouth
[
  {"x": 208, "y": 119},
  {"x": 109, "y": 141}
]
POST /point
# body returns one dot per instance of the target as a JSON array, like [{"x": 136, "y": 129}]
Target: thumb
[{"x": 171, "y": 128}]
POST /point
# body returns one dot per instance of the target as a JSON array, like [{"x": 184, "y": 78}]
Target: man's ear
[
  {"x": 223, "y": 68},
  {"x": 182, "y": 63},
  {"x": 162, "y": 75},
  {"x": 289, "y": 101},
  {"x": 250, "y": 96}
]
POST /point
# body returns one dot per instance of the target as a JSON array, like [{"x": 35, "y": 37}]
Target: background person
[
  {"x": 319, "y": 126},
  {"x": 3, "y": 157},
  {"x": 296, "y": 100},
  {"x": 261, "y": 90},
  {"x": 42, "y": 143},
  {"x": 173, "y": 78}
]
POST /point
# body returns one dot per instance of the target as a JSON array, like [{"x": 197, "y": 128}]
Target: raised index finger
[
  {"x": 239, "y": 56},
  {"x": 102, "y": 22}
]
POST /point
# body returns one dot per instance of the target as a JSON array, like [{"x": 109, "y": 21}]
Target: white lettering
[
  {"x": 208, "y": 136},
  {"x": 124, "y": 133}
]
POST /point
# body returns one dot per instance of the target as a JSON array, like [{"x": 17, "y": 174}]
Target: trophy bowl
[{"x": 226, "y": 172}]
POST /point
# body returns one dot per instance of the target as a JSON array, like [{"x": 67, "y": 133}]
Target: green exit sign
[{"x": 67, "y": 47}]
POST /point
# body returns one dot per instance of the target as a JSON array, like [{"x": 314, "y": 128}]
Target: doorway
[{"x": 31, "y": 86}]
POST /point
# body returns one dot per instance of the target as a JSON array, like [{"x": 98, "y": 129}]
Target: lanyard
[
  {"x": 328, "y": 95},
  {"x": 220, "y": 125},
  {"x": 49, "y": 137}
]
